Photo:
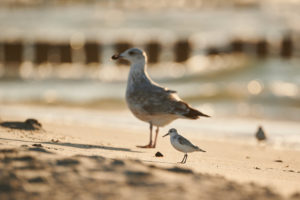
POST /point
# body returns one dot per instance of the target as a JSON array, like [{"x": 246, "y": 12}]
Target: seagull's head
[
  {"x": 171, "y": 132},
  {"x": 133, "y": 55}
]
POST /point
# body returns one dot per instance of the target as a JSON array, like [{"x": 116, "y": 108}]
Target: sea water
[{"x": 240, "y": 92}]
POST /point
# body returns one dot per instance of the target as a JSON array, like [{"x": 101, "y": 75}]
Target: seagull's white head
[
  {"x": 133, "y": 55},
  {"x": 172, "y": 132}
]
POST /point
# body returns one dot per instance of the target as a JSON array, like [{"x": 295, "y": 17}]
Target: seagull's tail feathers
[{"x": 195, "y": 114}]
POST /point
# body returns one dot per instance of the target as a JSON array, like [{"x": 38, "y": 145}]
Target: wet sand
[{"x": 67, "y": 160}]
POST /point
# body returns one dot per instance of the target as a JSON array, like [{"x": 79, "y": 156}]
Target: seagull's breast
[
  {"x": 147, "y": 100},
  {"x": 140, "y": 103}
]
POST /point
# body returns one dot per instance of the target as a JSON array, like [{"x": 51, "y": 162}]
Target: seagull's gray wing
[
  {"x": 163, "y": 101},
  {"x": 152, "y": 99}
]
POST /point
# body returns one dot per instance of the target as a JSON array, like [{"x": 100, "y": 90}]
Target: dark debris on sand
[
  {"x": 28, "y": 125},
  {"x": 280, "y": 161},
  {"x": 26, "y": 174},
  {"x": 158, "y": 154}
]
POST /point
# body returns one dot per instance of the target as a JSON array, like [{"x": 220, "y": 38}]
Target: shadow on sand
[
  {"x": 76, "y": 145},
  {"x": 33, "y": 124},
  {"x": 161, "y": 162},
  {"x": 88, "y": 146}
]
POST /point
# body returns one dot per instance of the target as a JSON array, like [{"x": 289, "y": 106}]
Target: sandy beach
[{"x": 66, "y": 160}]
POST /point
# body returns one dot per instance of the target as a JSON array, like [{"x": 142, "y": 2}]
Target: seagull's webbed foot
[{"x": 151, "y": 144}]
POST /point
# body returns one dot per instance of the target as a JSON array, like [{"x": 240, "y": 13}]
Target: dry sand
[{"x": 67, "y": 160}]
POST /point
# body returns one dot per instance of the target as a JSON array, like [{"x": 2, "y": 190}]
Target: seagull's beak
[
  {"x": 166, "y": 134},
  {"x": 116, "y": 56}
]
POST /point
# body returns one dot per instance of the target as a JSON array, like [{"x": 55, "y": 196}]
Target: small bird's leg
[
  {"x": 150, "y": 141},
  {"x": 185, "y": 157},
  {"x": 156, "y": 134},
  {"x": 182, "y": 162}
]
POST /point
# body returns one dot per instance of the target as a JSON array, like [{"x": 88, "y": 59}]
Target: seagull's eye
[{"x": 131, "y": 53}]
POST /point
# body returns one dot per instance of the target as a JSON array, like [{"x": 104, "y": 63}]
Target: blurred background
[{"x": 233, "y": 58}]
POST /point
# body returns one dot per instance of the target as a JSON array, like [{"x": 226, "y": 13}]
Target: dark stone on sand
[
  {"x": 180, "y": 170},
  {"x": 37, "y": 145},
  {"x": 158, "y": 154},
  {"x": 28, "y": 125},
  {"x": 33, "y": 122},
  {"x": 67, "y": 162},
  {"x": 278, "y": 161},
  {"x": 257, "y": 168}
]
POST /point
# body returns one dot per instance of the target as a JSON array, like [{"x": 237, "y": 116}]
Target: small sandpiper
[
  {"x": 149, "y": 101},
  {"x": 260, "y": 134},
  {"x": 182, "y": 144}
]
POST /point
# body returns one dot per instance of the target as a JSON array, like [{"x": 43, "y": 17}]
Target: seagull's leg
[
  {"x": 156, "y": 134},
  {"x": 150, "y": 142}
]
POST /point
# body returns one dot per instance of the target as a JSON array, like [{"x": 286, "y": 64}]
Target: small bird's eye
[{"x": 131, "y": 53}]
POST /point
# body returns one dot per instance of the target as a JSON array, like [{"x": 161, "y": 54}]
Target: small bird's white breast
[{"x": 186, "y": 148}]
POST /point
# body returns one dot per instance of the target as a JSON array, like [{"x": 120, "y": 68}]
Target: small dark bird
[{"x": 260, "y": 134}]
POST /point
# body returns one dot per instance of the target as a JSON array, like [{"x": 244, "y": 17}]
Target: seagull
[
  {"x": 182, "y": 144},
  {"x": 150, "y": 102}
]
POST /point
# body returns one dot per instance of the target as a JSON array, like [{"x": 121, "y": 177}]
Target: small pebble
[
  {"x": 37, "y": 145},
  {"x": 158, "y": 154}
]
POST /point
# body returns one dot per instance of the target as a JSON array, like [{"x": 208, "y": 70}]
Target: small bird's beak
[
  {"x": 116, "y": 56},
  {"x": 166, "y": 134}
]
